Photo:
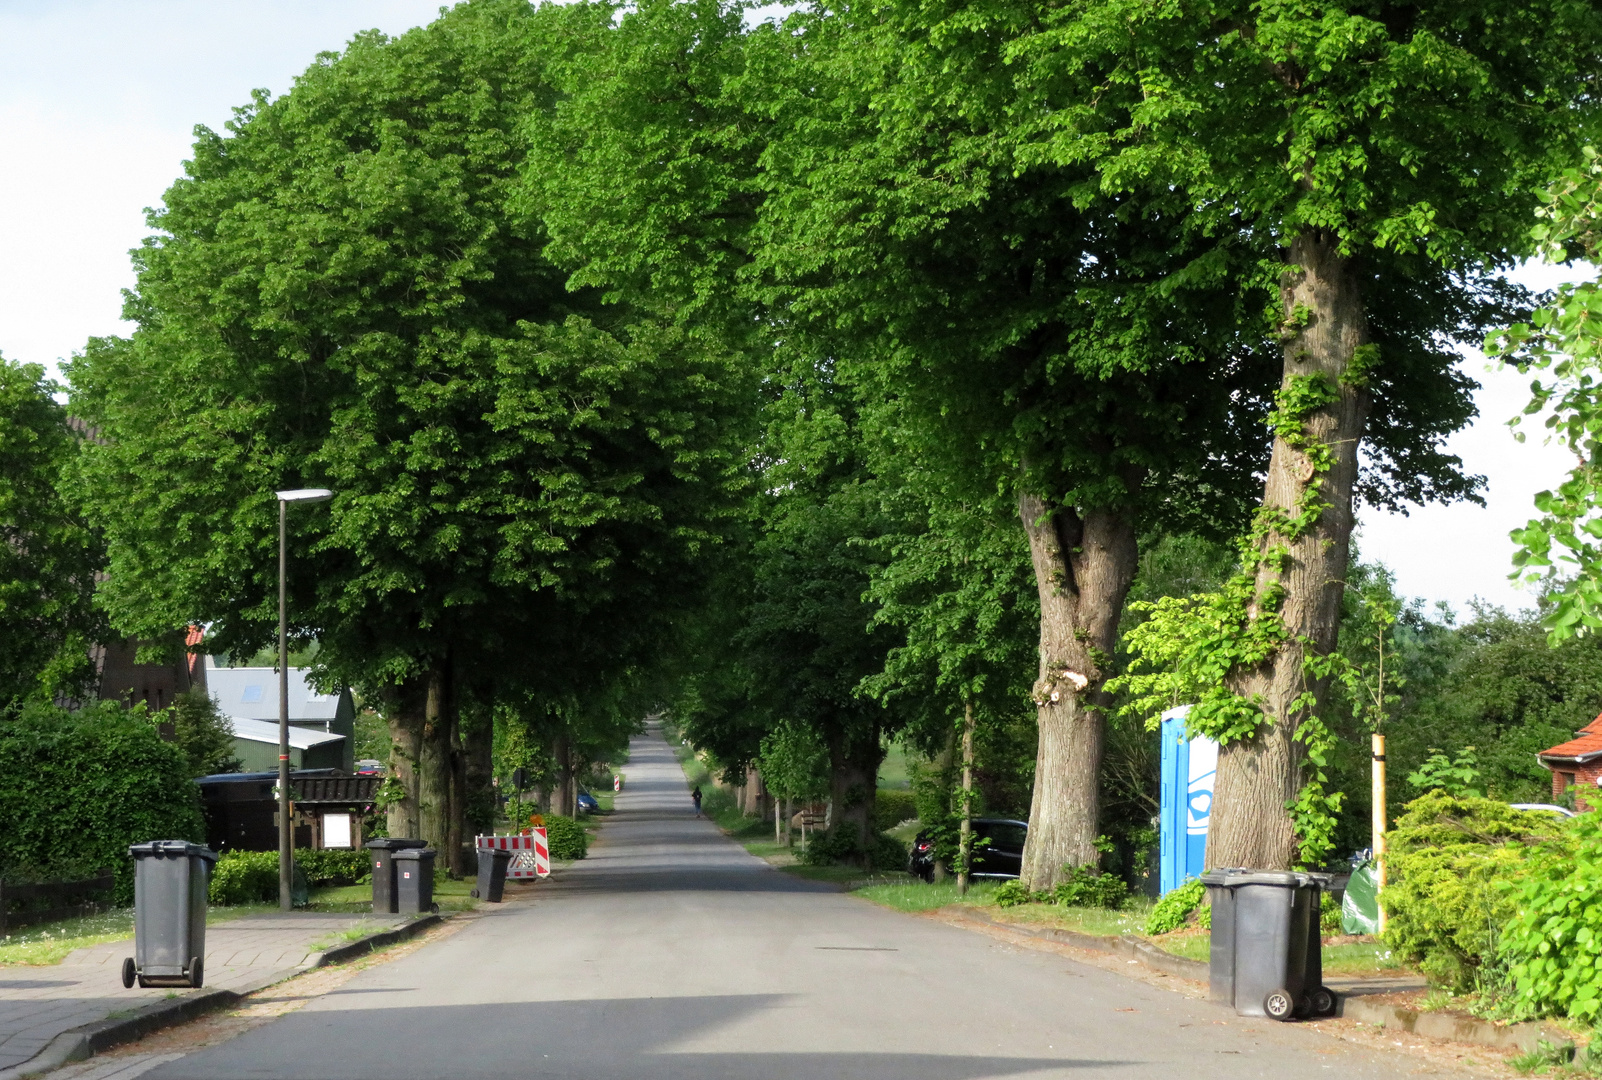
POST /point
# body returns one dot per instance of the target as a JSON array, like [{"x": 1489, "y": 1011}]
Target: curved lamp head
[{"x": 305, "y": 495}]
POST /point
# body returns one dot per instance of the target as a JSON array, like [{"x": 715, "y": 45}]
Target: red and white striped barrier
[{"x": 531, "y": 853}]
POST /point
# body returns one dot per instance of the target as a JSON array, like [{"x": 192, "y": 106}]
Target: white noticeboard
[{"x": 336, "y": 830}]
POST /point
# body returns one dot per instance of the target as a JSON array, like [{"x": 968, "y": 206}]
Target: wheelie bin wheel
[
  {"x": 1323, "y": 1001},
  {"x": 197, "y": 970},
  {"x": 128, "y": 973},
  {"x": 1279, "y": 1005},
  {"x": 473, "y": 893}
]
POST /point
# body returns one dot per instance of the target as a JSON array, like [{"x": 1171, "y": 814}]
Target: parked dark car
[
  {"x": 998, "y": 845},
  {"x": 587, "y": 803}
]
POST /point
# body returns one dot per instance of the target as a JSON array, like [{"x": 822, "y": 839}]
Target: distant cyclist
[{"x": 695, "y": 797}]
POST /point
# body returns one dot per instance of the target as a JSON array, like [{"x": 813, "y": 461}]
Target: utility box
[
  {"x": 383, "y": 849},
  {"x": 170, "y": 882},
  {"x": 1188, "y": 769}
]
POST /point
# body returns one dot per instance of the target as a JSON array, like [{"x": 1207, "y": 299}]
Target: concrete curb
[
  {"x": 1454, "y": 1028},
  {"x": 1131, "y": 948},
  {"x": 1447, "y": 1026},
  {"x": 365, "y": 945},
  {"x": 90, "y": 1039}
]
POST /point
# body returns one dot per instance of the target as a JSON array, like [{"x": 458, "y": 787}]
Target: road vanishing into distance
[{"x": 672, "y": 954}]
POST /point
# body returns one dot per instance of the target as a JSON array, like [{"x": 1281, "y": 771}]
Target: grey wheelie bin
[
  {"x": 383, "y": 851},
  {"x": 414, "y": 881},
  {"x": 492, "y": 864},
  {"x": 1267, "y": 958},
  {"x": 170, "y": 880}
]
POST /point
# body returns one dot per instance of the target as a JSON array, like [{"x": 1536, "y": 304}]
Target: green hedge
[
  {"x": 892, "y": 806},
  {"x": 566, "y": 838},
  {"x": 1449, "y": 863},
  {"x": 251, "y": 877},
  {"x": 77, "y": 788}
]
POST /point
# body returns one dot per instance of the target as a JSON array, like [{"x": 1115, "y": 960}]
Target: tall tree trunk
[
  {"x": 853, "y": 784},
  {"x": 563, "y": 803},
  {"x": 478, "y": 746},
  {"x": 1083, "y": 569},
  {"x": 965, "y": 831},
  {"x": 1257, "y": 778},
  {"x": 434, "y": 765},
  {"x": 403, "y": 713}
]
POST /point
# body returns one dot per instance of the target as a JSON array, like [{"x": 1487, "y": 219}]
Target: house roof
[
  {"x": 267, "y": 732},
  {"x": 251, "y": 693},
  {"x": 1585, "y": 748}
]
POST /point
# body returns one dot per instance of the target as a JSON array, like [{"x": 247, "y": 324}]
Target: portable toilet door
[{"x": 1188, "y": 769}]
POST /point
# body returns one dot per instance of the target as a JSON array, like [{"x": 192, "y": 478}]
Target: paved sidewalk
[{"x": 39, "y": 1003}]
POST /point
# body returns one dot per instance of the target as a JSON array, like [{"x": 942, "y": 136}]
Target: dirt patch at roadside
[{"x": 1452, "y": 1058}]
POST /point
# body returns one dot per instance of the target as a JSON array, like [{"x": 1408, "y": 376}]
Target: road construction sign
[{"x": 531, "y": 853}]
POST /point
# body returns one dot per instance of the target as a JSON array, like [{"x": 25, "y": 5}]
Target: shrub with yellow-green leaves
[{"x": 1451, "y": 870}]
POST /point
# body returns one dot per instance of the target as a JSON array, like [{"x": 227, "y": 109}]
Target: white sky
[{"x": 98, "y": 101}]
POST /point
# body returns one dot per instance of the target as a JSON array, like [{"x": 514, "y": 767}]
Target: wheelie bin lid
[
  {"x": 1288, "y": 879},
  {"x": 171, "y": 848},
  {"x": 418, "y": 852},
  {"x": 394, "y": 843}
]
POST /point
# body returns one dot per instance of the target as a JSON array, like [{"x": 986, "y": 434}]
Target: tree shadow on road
[{"x": 654, "y": 1038}]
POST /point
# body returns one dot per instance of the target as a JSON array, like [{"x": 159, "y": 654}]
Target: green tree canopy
[
  {"x": 340, "y": 294},
  {"x": 48, "y": 555}
]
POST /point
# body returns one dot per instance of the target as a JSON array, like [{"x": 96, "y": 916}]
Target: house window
[
  {"x": 1567, "y": 778},
  {"x": 253, "y": 693}
]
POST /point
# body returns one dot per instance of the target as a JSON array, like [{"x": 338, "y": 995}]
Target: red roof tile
[
  {"x": 1584, "y": 746},
  {"x": 1593, "y": 728}
]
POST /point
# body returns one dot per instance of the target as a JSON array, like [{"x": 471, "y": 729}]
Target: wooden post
[
  {"x": 965, "y": 836},
  {"x": 1378, "y": 823}
]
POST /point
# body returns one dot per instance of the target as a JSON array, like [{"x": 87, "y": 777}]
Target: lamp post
[{"x": 286, "y": 827}]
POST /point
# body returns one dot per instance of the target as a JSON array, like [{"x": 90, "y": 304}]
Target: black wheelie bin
[
  {"x": 170, "y": 882},
  {"x": 492, "y": 864},
  {"x": 414, "y": 881},
  {"x": 1267, "y": 957},
  {"x": 383, "y": 851}
]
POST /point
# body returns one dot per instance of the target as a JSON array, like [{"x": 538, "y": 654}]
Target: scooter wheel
[
  {"x": 128, "y": 973},
  {"x": 1279, "y": 1005},
  {"x": 1323, "y": 1001}
]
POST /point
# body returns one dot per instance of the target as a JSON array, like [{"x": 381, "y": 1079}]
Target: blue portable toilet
[{"x": 1188, "y": 768}]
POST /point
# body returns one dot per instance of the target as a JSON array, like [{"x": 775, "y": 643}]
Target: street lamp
[{"x": 286, "y": 828}]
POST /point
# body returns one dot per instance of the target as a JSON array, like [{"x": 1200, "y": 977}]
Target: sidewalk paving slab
[{"x": 40, "y": 1004}]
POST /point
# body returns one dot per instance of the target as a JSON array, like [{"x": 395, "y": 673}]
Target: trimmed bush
[
  {"x": 566, "y": 838},
  {"x": 889, "y": 853},
  {"x": 244, "y": 877},
  {"x": 892, "y": 806},
  {"x": 77, "y": 788},
  {"x": 333, "y": 866},
  {"x": 251, "y": 877},
  {"x": 1173, "y": 910},
  {"x": 1013, "y": 893},
  {"x": 1087, "y": 886},
  {"x": 1449, "y": 860}
]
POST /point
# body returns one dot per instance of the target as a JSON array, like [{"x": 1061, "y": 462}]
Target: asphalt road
[{"x": 670, "y": 953}]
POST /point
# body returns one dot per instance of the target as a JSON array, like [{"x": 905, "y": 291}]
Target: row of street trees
[
  {"x": 1067, "y": 260},
  {"x": 833, "y": 373}
]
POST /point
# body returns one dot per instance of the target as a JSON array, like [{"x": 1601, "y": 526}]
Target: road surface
[{"x": 671, "y": 954}]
